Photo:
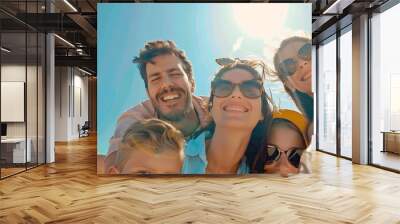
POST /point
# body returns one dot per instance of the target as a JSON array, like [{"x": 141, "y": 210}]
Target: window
[
  {"x": 346, "y": 93},
  {"x": 327, "y": 96},
  {"x": 385, "y": 89},
  {"x": 22, "y": 66}
]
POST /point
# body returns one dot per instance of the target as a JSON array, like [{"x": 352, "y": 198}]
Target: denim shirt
[{"x": 195, "y": 161}]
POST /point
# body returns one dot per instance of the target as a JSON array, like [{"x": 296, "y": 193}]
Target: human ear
[
  {"x": 147, "y": 91},
  {"x": 192, "y": 85}
]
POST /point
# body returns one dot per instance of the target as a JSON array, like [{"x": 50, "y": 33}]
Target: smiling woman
[
  {"x": 292, "y": 63},
  {"x": 241, "y": 113}
]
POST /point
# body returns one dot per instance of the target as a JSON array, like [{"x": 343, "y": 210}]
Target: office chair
[{"x": 84, "y": 130}]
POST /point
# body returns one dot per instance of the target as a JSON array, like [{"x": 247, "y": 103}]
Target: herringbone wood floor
[{"x": 69, "y": 191}]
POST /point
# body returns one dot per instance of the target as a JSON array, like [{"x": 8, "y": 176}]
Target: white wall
[
  {"x": 33, "y": 127},
  {"x": 70, "y": 83},
  {"x": 61, "y": 103},
  {"x": 11, "y": 73},
  {"x": 16, "y": 73},
  {"x": 80, "y": 103}
]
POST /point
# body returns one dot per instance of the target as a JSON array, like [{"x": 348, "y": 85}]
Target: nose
[
  {"x": 302, "y": 63},
  {"x": 166, "y": 83},
  {"x": 284, "y": 165},
  {"x": 236, "y": 92}
]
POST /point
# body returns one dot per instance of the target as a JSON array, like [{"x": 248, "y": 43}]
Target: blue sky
[{"x": 205, "y": 31}]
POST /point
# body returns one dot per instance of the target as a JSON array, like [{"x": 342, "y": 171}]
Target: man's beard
[
  {"x": 179, "y": 115},
  {"x": 175, "y": 117}
]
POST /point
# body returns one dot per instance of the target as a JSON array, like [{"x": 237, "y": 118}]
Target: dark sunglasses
[
  {"x": 288, "y": 66},
  {"x": 251, "y": 88},
  {"x": 293, "y": 155}
]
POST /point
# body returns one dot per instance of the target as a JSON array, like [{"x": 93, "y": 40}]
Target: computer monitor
[{"x": 3, "y": 129}]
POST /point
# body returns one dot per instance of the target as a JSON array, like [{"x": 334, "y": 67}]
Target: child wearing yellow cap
[{"x": 287, "y": 143}]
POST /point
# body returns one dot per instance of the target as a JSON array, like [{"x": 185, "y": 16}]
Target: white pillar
[
  {"x": 360, "y": 90},
  {"x": 50, "y": 92},
  {"x": 50, "y": 110}
]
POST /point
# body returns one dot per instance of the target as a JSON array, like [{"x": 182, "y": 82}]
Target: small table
[
  {"x": 16, "y": 153},
  {"x": 391, "y": 141}
]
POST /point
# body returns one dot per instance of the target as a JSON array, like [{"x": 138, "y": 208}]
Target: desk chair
[{"x": 84, "y": 130}]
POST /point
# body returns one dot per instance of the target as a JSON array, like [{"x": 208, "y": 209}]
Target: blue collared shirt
[{"x": 195, "y": 161}]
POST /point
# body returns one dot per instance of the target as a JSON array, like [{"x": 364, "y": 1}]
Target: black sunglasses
[
  {"x": 251, "y": 88},
  {"x": 288, "y": 66},
  {"x": 293, "y": 155}
]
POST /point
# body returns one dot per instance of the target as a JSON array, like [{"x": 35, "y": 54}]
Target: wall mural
[{"x": 204, "y": 88}]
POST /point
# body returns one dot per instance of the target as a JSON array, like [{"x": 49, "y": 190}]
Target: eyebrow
[
  {"x": 296, "y": 148},
  {"x": 168, "y": 71},
  {"x": 173, "y": 70},
  {"x": 154, "y": 74}
]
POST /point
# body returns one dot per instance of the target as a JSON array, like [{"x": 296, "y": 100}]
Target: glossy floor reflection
[
  {"x": 69, "y": 191},
  {"x": 387, "y": 159}
]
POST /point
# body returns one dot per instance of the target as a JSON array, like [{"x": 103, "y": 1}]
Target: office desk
[
  {"x": 13, "y": 150},
  {"x": 391, "y": 141}
]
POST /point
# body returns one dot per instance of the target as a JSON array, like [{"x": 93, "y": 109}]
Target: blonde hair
[{"x": 153, "y": 135}]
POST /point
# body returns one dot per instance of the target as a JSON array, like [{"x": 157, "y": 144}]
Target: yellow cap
[{"x": 295, "y": 118}]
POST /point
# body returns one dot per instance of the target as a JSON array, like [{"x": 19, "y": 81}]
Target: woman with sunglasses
[
  {"x": 292, "y": 64},
  {"x": 241, "y": 115},
  {"x": 286, "y": 145}
]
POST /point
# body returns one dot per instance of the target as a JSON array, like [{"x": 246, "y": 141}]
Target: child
[
  {"x": 287, "y": 143},
  {"x": 149, "y": 147}
]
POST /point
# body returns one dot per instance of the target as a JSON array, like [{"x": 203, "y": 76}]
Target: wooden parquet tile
[{"x": 69, "y": 191}]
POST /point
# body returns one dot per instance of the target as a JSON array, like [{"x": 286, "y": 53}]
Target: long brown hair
[{"x": 259, "y": 134}]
